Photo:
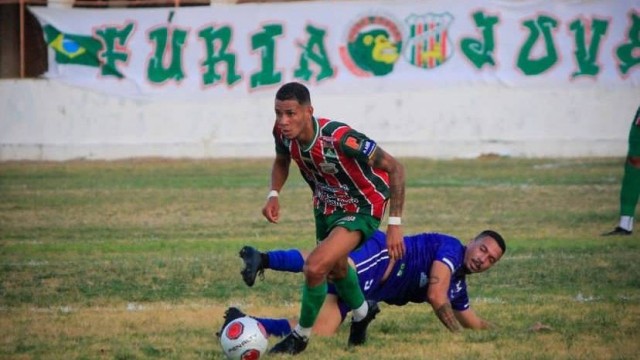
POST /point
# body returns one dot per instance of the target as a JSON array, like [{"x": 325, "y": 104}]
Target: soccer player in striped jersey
[
  {"x": 433, "y": 271},
  {"x": 352, "y": 181}
]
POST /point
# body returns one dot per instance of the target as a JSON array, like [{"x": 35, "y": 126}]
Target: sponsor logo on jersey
[
  {"x": 353, "y": 143},
  {"x": 328, "y": 168},
  {"x": 368, "y": 147},
  {"x": 346, "y": 219},
  {"x": 401, "y": 270},
  {"x": 368, "y": 284},
  {"x": 327, "y": 140},
  {"x": 423, "y": 280},
  {"x": 458, "y": 286}
]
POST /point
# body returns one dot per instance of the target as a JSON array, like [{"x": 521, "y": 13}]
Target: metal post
[{"x": 22, "y": 61}]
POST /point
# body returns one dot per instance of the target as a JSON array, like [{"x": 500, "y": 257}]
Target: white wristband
[
  {"x": 272, "y": 193},
  {"x": 394, "y": 220}
]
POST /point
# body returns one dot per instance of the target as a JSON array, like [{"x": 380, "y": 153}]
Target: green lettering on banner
[
  {"x": 265, "y": 42},
  {"x": 587, "y": 56},
  {"x": 480, "y": 52},
  {"x": 218, "y": 54},
  {"x": 111, "y": 56},
  {"x": 314, "y": 51},
  {"x": 545, "y": 25},
  {"x": 156, "y": 71},
  {"x": 629, "y": 53}
]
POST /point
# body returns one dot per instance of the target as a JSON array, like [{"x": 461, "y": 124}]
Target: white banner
[{"x": 341, "y": 47}]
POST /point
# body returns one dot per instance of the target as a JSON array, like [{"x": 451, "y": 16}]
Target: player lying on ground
[{"x": 433, "y": 271}]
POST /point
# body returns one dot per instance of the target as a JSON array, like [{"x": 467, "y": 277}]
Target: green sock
[
  {"x": 349, "y": 289},
  {"x": 630, "y": 190},
  {"x": 312, "y": 300}
]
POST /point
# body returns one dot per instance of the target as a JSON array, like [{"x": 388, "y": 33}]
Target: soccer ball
[{"x": 244, "y": 339}]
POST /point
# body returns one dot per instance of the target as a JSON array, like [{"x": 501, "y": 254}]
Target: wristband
[
  {"x": 272, "y": 193},
  {"x": 394, "y": 220}
]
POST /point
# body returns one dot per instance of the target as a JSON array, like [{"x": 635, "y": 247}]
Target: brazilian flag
[{"x": 73, "y": 49}]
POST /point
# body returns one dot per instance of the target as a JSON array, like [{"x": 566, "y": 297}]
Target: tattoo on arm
[
  {"x": 396, "y": 180},
  {"x": 446, "y": 316}
]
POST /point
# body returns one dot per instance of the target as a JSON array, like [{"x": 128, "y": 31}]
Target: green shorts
[
  {"x": 366, "y": 224},
  {"x": 634, "y": 136}
]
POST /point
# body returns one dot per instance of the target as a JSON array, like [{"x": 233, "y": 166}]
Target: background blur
[{"x": 487, "y": 88}]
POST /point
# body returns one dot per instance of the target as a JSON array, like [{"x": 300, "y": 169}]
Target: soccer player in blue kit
[{"x": 432, "y": 271}]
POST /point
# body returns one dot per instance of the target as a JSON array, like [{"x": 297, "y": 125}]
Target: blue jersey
[{"x": 409, "y": 278}]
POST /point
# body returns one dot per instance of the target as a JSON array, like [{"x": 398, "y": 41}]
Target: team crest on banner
[
  {"x": 428, "y": 43},
  {"x": 373, "y": 45}
]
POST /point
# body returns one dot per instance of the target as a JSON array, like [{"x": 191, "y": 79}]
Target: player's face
[
  {"x": 482, "y": 254},
  {"x": 293, "y": 119}
]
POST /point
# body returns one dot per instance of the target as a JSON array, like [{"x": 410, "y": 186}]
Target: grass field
[{"x": 138, "y": 259}]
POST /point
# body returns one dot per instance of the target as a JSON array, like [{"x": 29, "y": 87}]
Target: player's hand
[
  {"x": 395, "y": 243},
  {"x": 271, "y": 210}
]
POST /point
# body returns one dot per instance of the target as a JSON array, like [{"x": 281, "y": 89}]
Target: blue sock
[
  {"x": 275, "y": 327},
  {"x": 286, "y": 260}
]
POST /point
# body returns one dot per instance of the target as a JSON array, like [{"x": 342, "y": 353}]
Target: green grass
[{"x": 138, "y": 259}]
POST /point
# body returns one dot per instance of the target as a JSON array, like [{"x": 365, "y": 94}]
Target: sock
[
  {"x": 285, "y": 260},
  {"x": 312, "y": 300},
  {"x": 626, "y": 222},
  {"x": 275, "y": 327},
  {"x": 361, "y": 312},
  {"x": 349, "y": 291},
  {"x": 630, "y": 191},
  {"x": 304, "y": 332}
]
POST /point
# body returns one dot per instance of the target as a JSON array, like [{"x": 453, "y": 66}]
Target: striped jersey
[{"x": 335, "y": 167}]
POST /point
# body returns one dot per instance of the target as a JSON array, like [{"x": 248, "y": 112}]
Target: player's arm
[
  {"x": 470, "y": 320},
  {"x": 380, "y": 159},
  {"x": 437, "y": 295},
  {"x": 279, "y": 175}
]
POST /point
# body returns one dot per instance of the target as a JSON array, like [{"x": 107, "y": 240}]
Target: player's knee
[
  {"x": 315, "y": 271},
  {"x": 338, "y": 273},
  {"x": 634, "y": 161}
]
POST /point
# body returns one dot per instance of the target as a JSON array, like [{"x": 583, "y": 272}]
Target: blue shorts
[{"x": 371, "y": 260}]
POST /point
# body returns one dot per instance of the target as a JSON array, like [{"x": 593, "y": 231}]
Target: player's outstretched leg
[
  {"x": 358, "y": 331},
  {"x": 252, "y": 265},
  {"x": 292, "y": 344},
  {"x": 230, "y": 314}
]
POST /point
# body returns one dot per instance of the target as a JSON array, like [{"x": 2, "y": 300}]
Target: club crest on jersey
[
  {"x": 328, "y": 147},
  {"x": 328, "y": 168}
]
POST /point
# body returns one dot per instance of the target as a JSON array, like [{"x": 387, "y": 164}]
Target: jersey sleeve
[
  {"x": 450, "y": 254},
  {"x": 357, "y": 145}
]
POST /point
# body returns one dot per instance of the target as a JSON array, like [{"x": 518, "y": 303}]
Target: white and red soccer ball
[{"x": 244, "y": 339}]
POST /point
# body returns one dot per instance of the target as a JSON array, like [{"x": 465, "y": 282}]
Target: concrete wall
[{"x": 44, "y": 120}]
